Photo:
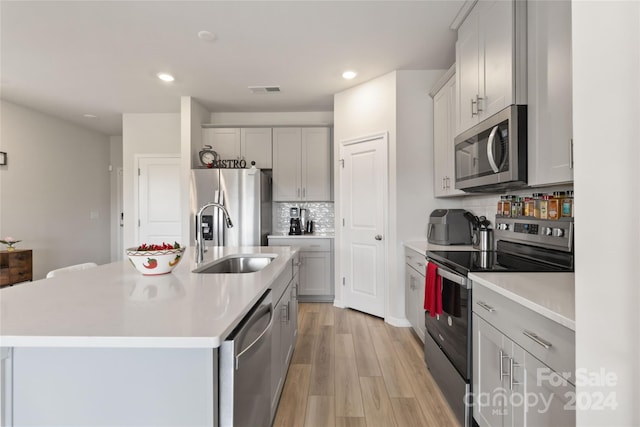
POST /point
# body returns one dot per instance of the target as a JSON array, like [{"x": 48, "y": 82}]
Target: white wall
[
  {"x": 55, "y": 189},
  {"x": 413, "y": 169},
  {"x": 397, "y": 103},
  {"x": 364, "y": 110},
  {"x": 144, "y": 134},
  {"x": 606, "y": 123},
  {"x": 115, "y": 156},
  {"x": 192, "y": 116}
]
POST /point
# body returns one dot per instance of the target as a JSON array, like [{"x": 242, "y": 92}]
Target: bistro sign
[{"x": 228, "y": 164}]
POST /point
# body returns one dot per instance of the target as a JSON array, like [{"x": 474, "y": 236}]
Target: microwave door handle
[{"x": 492, "y": 160}]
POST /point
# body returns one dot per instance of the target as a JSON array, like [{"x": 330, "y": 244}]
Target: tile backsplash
[{"x": 321, "y": 213}]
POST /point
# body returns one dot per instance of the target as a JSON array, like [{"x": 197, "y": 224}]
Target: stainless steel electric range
[{"x": 522, "y": 245}]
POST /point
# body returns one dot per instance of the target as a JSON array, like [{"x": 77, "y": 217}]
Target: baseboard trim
[{"x": 397, "y": 322}]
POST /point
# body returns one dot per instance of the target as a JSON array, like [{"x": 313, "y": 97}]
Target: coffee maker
[{"x": 295, "y": 225}]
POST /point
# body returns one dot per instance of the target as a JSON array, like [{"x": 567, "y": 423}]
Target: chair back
[{"x": 71, "y": 268}]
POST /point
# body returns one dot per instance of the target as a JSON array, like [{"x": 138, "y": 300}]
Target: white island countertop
[
  {"x": 113, "y": 305},
  {"x": 550, "y": 294}
]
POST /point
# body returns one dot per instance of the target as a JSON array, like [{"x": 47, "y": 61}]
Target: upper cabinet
[
  {"x": 490, "y": 61},
  {"x": 302, "y": 164},
  {"x": 249, "y": 144},
  {"x": 444, "y": 113},
  {"x": 550, "y": 129}
]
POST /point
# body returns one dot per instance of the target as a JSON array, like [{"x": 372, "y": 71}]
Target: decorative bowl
[{"x": 156, "y": 262}]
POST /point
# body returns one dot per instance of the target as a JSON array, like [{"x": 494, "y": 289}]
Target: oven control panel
[{"x": 543, "y": 233}]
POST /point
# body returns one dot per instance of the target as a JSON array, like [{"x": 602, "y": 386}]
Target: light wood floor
[{"x": 352, "y": 369}]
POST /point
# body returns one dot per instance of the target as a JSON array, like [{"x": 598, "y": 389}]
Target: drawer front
[
  {"x": 20, "y": 274},
  {"x": 550, "y": 342},
  {"x": 416, "y": 260},
  {"x": 20, "y": 259},
  {"x": 307, "y": 245}
]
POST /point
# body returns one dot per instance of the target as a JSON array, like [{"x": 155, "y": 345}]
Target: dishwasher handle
[{"x": 257, "y": 315}]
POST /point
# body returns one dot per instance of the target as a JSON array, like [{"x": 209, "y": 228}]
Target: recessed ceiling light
[
  {"x": 165, "y": 77},
  {"x": 349, "y": 74},
  {"x": 89, "y": 116},
  {"x": 206, "y": 36}
]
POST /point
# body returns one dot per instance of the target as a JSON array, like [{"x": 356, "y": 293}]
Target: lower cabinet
[
  {"x": 512, "y": 387},
  {"x": 15, "y": 266},
  {"x": 284, "y": 334},
  {"x": 316, "y": 266},
  {"x": 414, "y": 290}
]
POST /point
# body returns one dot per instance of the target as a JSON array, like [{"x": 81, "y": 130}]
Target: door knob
[{"x": 378, "y": 237}]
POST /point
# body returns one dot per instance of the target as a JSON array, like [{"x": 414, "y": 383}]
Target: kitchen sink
[{"x": 237, "y": 264}]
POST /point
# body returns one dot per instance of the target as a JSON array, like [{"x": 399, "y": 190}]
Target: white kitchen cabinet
[
  {"x": 503, "y": 368},
  {"x": 414, "y": 291},
  {"x": 225, "y": 142},
  {"x": 6, "y": 386},
  {"x": 285, "y": 330},
  {"x": 315, "y": 274},
  {"x": 490, "y": 61},
  {"x": 444, "y": 116},
  {"x": 302, "y": 164},
  {"x": 550, "y": 108},
  {"x": 517, "y": 357},
  {"x": 249, "y": 144},
  {"x": 256, "y": 145},
  {"x": 315, "y": 266}
]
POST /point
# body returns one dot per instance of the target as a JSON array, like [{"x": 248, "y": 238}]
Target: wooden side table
[{"x": 15, "y": 266}]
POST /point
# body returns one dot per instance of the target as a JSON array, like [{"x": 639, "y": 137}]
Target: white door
[
  {"x": 363, "y": 193},
  {"x": 159, "y": 200},
  {"x": 120, "y": 211}
]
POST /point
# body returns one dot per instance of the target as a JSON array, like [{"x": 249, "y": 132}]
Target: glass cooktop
[{"x": 508, "y": 258}]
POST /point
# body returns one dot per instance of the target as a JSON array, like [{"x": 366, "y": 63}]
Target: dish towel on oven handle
[{"x": 433, "y": 290}]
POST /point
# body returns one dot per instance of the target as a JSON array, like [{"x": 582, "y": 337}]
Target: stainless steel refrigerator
[{"x": 246, "y": 193}]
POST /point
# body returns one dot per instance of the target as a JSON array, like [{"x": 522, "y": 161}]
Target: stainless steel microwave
[{"x": 492, "y": 156}]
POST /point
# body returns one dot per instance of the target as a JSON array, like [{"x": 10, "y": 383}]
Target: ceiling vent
[{"x": 264, "y": 89}]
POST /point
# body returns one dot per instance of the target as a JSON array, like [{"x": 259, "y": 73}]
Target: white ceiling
[{"x": 69, "y": 58}]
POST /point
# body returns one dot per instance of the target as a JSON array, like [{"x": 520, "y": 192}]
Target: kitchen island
[{"x": 108, "y": 346}]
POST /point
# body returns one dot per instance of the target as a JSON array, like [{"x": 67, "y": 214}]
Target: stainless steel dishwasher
[{"x": 245, "y": 378}]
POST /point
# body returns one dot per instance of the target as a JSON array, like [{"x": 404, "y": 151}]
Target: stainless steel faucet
[{"x": 199, "y": 238}]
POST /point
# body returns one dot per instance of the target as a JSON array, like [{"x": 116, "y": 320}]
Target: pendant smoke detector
[{"x": 264, "y": 89}]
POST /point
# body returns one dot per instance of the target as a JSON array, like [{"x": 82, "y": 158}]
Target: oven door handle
[{"x": 460, "y": 280}]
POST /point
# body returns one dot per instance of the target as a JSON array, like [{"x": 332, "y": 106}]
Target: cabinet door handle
[
  {"x": 285, "y": 315},
  {"x": 511, "y": 366},
  {"x": 544, "y": 343},
  {"x": 478, "y": 109},
  {"x": 420, "y": 264},
  {"x": 304, "y": 192},
  {"x": 503, "y": 356},
  {"x": 474, "y": 102},
  {"x": 486, "y": 306},
  {"x": 571, "y": 153}
]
